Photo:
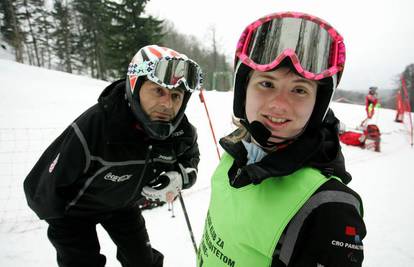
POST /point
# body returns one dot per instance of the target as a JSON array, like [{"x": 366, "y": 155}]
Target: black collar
[{"x": 320, "y": 150}]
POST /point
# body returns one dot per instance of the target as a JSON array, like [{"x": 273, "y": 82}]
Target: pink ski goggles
[{"x": 315, "y": 48}]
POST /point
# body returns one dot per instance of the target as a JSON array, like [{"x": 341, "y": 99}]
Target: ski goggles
[
  {"x": 170, "y": 72},
  {"x": 315, "y": 48}
]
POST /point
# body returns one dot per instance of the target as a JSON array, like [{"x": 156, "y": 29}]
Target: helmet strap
[{"x": 261, "y": 134}]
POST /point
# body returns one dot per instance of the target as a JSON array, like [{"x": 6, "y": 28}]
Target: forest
[{"x": 98, "y": 38}]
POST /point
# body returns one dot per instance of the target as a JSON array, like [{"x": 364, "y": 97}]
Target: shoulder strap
[{"x": 293, "y": 229}]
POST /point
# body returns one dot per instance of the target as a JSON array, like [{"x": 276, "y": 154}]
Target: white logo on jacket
[
  {"x": 165, "y": 157},
  {"x": 178, "y": 133},
  {"x": 53, "y": 164},
  {"x": 114, "y": 178}
]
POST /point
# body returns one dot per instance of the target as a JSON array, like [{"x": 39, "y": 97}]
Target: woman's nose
[{"x": 278, "y": 100}]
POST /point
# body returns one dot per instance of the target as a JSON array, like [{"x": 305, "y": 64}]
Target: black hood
[
  {"x": 122, "y": 126},
  {"x": 115, "y": 88}
]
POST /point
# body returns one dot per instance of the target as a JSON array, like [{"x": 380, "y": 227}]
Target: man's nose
[{"x": 166, "y": 100}]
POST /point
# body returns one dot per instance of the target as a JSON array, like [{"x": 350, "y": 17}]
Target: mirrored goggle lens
[
  {"x": 310, "y": 42},
  {"x": 170, "y": 72}
]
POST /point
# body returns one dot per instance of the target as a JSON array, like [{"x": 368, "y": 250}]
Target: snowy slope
[
  {"x": 6, "y": 52},
  {"x": 38, "y": 104}
]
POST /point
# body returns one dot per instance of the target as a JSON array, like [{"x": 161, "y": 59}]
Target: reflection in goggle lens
[
  {"x": 310, "y": 42},
  {"x": 170, "y": 72}
]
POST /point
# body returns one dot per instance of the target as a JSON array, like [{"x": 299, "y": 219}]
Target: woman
[{"x": 278, "y": 196}]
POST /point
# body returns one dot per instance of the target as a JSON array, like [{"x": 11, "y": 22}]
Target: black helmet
[
  {"x": 372, "y": 90},
  {"x": 253, "y": 51},
  {"x": 169, "y": 69}
]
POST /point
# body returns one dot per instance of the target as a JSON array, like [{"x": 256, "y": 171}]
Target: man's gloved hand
[{"x": 164, "y": 188}]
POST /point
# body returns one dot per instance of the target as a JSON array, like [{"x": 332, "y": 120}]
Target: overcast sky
[{"x": 379, "y": 34}]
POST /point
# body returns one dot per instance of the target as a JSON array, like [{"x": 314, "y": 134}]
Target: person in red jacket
[{"x": 371, "y": 101}]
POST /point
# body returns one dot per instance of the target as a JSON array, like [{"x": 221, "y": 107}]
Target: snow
[
  {"x": 37, "y": 104},
  {"x": 6, "y": 52}
]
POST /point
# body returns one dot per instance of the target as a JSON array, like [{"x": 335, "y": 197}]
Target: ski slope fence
[{"x": 20, "y": 148}]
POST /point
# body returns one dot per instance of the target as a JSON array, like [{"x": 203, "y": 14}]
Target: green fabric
[{"x": 243, "y": 225}]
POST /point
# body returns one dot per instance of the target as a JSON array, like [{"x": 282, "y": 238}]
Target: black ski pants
[{"x": 77, "y": 244}]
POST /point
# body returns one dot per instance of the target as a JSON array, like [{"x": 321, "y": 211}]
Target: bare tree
[
  {"x": 11, "y": 29},
  {"x": 28, "y": 13}
]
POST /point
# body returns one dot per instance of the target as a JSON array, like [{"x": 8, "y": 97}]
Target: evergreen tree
[
  {"x": 63, "y": 35},
  {"x": 408, "y": 76},
  {"x": 95, "y": 21},
  {"x": 129, "y": 32}
]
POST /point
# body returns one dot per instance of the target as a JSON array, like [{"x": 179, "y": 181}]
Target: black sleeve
[
  {"x": 332, "y": 236},
  {"x": 188, "y": 155},
  {"x": 57, "y": 169},
  {"x": 188, "y": 163}
]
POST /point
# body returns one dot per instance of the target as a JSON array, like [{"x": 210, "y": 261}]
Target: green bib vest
[{"x": 243, "y": 226}]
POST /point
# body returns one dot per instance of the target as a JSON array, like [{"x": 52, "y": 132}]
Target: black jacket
[
  {"x": 329, "y": 228},
  {"x": 103, "y": 159}
]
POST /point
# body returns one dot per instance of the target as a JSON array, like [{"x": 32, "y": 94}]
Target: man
[{"x": 136, "y": 138}]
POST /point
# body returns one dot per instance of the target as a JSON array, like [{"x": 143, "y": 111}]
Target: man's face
[
  {"x": 281, "y": 100},
  {"x": 160, "y": 103}
]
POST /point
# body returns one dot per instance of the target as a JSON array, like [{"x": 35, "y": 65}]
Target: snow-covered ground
[{"x": 37, "y": 104}]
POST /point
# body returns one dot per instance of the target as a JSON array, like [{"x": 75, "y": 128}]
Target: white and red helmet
[{"x": 168, "y": 68}]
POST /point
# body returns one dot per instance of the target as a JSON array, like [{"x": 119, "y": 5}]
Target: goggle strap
[{"x": 181, "y": 81}]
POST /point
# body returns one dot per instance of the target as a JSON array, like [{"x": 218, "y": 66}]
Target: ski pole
[
  {"x": 172, "y": 210},
  {"x": 187, "y": 221},
  {"x": 209, "y": 120}
]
